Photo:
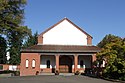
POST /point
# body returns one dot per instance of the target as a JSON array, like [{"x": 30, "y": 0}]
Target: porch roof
[{"x": 61, "y": 48}]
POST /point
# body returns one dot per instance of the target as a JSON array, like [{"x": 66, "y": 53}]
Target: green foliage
[
  {"x": 3, "y": 47},
  {"x": 11, "y": 14},
  {"x": 108, "y": 39},
  {"x": 15, "y": 39},
  {"x": 31, "y": 40},
  {"x": 14, "y": 73},
  {"x": 1, "y": 67},
  {"x": 113, "y": 51},
  {"x": 11, "y": 20}
]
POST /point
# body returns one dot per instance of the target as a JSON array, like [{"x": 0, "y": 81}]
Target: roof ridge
[{"x": 65, "y": 18}]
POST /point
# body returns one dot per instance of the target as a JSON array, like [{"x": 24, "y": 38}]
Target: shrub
[
  {"x": 16, "y": 73},
  {"x": 56, "y": 72},
  {"x": 77, "y": 73}
]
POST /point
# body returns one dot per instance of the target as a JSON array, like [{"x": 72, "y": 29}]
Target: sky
[{"x": 97, "y": 17}]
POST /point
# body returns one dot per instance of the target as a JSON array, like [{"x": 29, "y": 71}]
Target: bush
[
  {"x": 13, "y": 73},
  {"x": 77, "y": 73},
  {"x": 56, "y": 72},
  {"x": 1, "y": 67},
  {"x": 6, "y": 72},
  {"x": 122, "y": 78},
  {"x": 88, "y": 71},
  {"x": 37, "y": 72},
  {"x": 16, "y": 73}
]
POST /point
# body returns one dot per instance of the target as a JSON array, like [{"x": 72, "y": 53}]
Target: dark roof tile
[{"x": 61, "y": 48}]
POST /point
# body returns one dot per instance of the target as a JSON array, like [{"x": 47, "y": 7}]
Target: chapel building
[{"x": 64, "y": 47}]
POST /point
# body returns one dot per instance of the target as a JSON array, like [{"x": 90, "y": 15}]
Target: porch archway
[{"x": 65, "y": 64}]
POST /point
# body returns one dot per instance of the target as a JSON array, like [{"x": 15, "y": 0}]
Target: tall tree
[
  {"x": 31, "y": 40},
  {"x": 3, "y": 46},
  {"x": 11, "y": 14},
  {"x": 11, "y": 19},
  {"x": 15, "y": 39}
]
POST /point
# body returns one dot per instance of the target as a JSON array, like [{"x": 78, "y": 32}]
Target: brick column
[
  {"x": 93, "y": 58},
  {"x": 57, "y": 62},
  {"x": 75, "y": 62}
]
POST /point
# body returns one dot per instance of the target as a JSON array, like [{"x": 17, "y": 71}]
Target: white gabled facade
[
  {"x": 64, "y": 47},
  {"x": 65, "y": 33}
]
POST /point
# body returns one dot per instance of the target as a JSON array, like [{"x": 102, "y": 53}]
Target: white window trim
[
  {"x": 27, "y": 63},
  {"x": 33, "y": 63}
]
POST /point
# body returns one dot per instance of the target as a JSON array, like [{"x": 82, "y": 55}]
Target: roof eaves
[
  {"x": 68, "y": 21},
  {"x": 57, "y": 51},
  {"x": 78, "y": 27},
  {"x": 52, "y": 26}
]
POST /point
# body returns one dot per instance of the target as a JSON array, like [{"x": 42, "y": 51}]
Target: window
[
  {"x": 81, "y": 63},
  {"x": 48, "y": 63},
  {"x": 33, "y": 63},
  {"x": 27, "y": 63}
]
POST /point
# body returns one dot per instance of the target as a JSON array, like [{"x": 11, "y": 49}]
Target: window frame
[
  {"x": 27, "y": 63},
  {"x": 33, "y": 63}
]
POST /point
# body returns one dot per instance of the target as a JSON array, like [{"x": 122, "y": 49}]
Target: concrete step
[
  {"x": 64, "y": 74},
  {"x": 47, "y": 74}
]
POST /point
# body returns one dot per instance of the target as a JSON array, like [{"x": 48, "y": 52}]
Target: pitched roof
[
  {"x": 61, "y": 48},
  {"x": 69, "y": 22}
]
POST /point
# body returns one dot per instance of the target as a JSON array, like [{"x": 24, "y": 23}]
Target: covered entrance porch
[
  {"x": 65, "y": 63},
  {"x": 50, "y": 58}
]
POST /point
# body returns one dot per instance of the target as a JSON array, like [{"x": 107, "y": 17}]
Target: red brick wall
[
  {"x": 46, "y": 70},
  {"x": 5, "y": 67},
  {"x": 89, "y": 40},
  {"x": 40, "y": 39},
  {"x": 93, "y": 57},
  {"x": 29, "y": 71}
]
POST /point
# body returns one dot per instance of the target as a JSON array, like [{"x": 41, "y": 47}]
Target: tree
[
  {"x": 15, "y": 39},
  {"x": 108, "y": 39},
  {"x": 11, "y": 14},
  {"x": 31, "y": 40},
  {"x": 113, "y": 51},
  {"x": 3, "y": 47},
  {"x": 11, "y": 19}
]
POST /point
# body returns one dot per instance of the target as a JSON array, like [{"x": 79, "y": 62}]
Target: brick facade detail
[
  {"x": 34, "y": 53},
  {"x": 29, "y": 70},
  {"x": 40, "y": 39},
  {"x": 89, "y": 40}
]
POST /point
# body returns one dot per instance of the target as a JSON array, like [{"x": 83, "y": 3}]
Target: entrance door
[{"x": 65, "y": 64}]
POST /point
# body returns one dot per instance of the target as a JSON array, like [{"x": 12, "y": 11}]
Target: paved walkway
[{"x": 52, "y": 79}]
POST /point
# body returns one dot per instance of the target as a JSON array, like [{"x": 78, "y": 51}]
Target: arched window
[
  {"x": 33, "y": 63},
  {"x": 48, "y": 63},
  {"x": 81, "y": 63},
  {"x": 27, "y": 63}
]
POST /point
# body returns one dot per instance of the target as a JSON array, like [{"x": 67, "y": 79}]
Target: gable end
[{"x": 89, "y": 37}]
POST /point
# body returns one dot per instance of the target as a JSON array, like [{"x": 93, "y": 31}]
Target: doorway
[{"x": 65, "y": 64}]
